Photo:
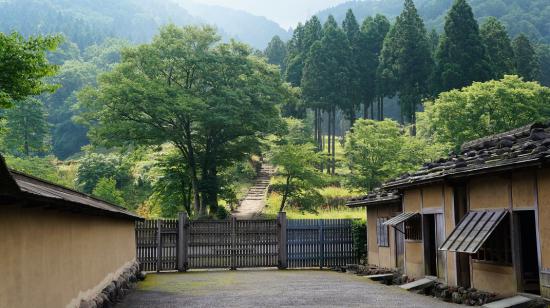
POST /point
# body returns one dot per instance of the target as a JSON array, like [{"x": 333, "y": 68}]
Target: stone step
[
  {"x": 380, "y": 277},
  {"x": 418, "y": 284},
  {"x": 511, "y": 302}
]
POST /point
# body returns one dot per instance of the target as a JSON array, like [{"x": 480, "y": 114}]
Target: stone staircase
[{"x": 254, "y": 202}]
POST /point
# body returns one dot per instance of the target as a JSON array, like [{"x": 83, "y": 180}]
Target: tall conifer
[
  {"x": 499, "y": 47},
  {"x": 461, "y": 57},
  {"x": 527, "y": 65}
]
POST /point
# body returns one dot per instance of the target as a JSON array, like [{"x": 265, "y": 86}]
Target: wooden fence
[
  {"x": 182, "y": 244},
  {"x": 320, "y": 243}
]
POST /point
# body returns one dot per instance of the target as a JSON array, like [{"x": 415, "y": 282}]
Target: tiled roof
[
  {"x": 36, "y": 187},
  {"x": 16, "y": 185},
  {"x": 377, "y": 196},
  {"x": 517, "y": 148}
]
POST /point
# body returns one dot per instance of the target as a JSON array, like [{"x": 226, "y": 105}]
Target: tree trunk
[
  {"x": 333, "y": 140},
  {"x": 365, "y": 110},
  {"x": 329, "y": 148},
  {"x": 200, "y": 210},
  {"x": 285, "y": 194},
  {"x": 382, "y": 108}
]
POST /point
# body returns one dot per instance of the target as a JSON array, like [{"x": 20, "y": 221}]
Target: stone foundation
[{"x": 116, "y": 290}]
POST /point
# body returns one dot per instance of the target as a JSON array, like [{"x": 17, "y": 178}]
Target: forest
[{"x": 179, "y": 118}]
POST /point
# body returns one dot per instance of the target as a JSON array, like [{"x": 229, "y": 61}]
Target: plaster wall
[
  {"x": 432, "y": 197},
  {"x": 55, "y": 259},
  {"x": 524, "y": 190},
  {"x": 494, "y": 278},
  {"x": 412, "y": 201},
  {"x": 414, "y": 259},
  {"x": 489, "y": 192}
]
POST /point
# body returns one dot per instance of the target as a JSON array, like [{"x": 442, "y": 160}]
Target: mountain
[
  {"x": 89, "y": 22},
  {"x": 531, "y": 17},
  {"x": 255, "y": 30}
]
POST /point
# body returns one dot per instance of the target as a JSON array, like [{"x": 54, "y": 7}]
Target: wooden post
[
  {"x": 321, "y": 244},
  {"x": 233, "y": 243},
  {"x": 183, "y": 224},
  {"x": 159, "y": 245},
  {"x": 283, "y": 255}
]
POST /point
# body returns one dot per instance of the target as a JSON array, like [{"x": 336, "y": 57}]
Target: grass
[{"x": 341, "y": 212}]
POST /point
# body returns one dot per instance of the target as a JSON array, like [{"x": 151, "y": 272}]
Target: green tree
[
  {"x": 543, "y": 54},
  {"x": 527, "y": 65},
  {"x": 212, "y": 101},
  {"x": 375, "y": 31},
  {"x": 377, "y": 151},
  {"x": 276, "y": 52},
  {"x": 106, "y": 189},
  {"x": 325, "y": 81},
  {"x": 499, "y": 47},
  {"x": 23, "y": 64},
  {"x": 461, "y": 57},
  {"x": 297, "y": 165},
  {"x": 94, "y": 167},
  {"x": 483, "y": 109},
  {"x": 26, "y": 129},
  {"x": 356, "y": 63},
  {"x": 406, "y": 63}
]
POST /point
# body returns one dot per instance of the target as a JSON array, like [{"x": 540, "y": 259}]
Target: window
[
  {"x": 413, "y": 228},
  {"x": 497, "y": 249},
  {"x": 382, "y": 233}
]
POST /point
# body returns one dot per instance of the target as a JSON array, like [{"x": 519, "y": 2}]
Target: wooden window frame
[
  {"x": 413, "y": 229},
  {"x": 497, "y": 249},
  {"x": 382, "y": 232}
]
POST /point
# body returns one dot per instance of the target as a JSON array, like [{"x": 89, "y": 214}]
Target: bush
[{"x": 359, "y": 235}]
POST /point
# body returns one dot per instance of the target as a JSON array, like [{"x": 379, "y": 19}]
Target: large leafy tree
[
  {"x": 375, "y": 31},
  {"x": 212, "y": 101},
  {"x": 461, "y": 57},
  {"x": 376, "y": 151},
  {"x": 23, "y": 65},
  {"x": 527, "y": 65},
  {"x": 27, "y": 131},
  {"x": 406, "y": 63},
  {"x": 484, "y": 109},
  {"x": 499, "y": 47},
  {"x": 297, "y": 166}
]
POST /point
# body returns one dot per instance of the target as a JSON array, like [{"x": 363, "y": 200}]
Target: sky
[{"x": 287, "y": 13}]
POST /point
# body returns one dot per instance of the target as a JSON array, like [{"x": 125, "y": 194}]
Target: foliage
[
  {"x": 276, "y": 52},
  {"x": 274, "y": 203},
  {"x": 23, "y": 65},
  {"x": 106, "y": 189},
  {"x": 94, "y": 167},
  {"x": 296, "y": 164},
  {"x": 359, "y": 235},
  {"x": 406, "y": 62},
  {"x": 26, "y": 129},
  {"x": 461, "y": 57},
  {"x": 45, "y": 168},
  {"x": 484, "y": 109},
  {"x": 543, "y": 54},
  {"x": 499, "y": 47},
  {"x": 377, "y": 151},
  {"x": 212, "y": 101},
  {"x": 526, "y": 61}
]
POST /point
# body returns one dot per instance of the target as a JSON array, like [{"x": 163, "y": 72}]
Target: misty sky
[{"x": 285, "y": 12}]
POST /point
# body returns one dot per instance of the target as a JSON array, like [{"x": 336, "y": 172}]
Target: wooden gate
[
  {"x": 182, "y": 244},
  {"x": 232, "y": 244}
]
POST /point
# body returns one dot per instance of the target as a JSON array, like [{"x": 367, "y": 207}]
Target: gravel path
[{"x": 270, "y": 288}]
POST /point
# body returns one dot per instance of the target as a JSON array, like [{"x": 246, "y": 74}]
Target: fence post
[
  {"x": 283, "y": 254},
  {"x": 159, "y": 245},
  {"x": 321, "y": 243},
  {"x": 183, "y": 225},
  {"x": 233, "y": 243}
]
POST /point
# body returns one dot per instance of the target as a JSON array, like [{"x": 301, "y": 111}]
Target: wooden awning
[
  {"x": 399, "y": 219},
  {"x": 472, "y": 231}
]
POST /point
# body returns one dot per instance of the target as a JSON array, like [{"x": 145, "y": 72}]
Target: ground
[{"x": 270, "y": 288}]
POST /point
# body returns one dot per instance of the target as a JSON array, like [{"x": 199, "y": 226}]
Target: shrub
[{"x": 359, "y": 235}]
